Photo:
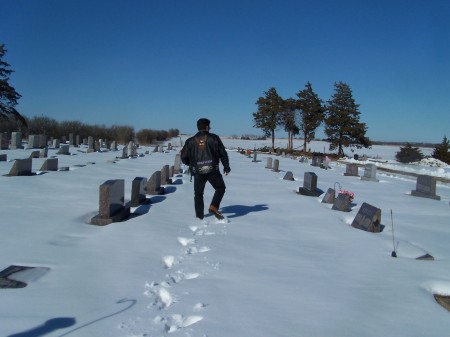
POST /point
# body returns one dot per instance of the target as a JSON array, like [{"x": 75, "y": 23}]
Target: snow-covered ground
[{"x": 283, "y": 264}]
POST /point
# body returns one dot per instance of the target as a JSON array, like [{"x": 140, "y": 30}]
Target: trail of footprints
[{"x": 162, "y": 293}]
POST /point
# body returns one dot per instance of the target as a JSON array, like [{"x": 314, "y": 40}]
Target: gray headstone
[
  {"x": 154, "y": 184},
  {"x": 42, "y": 141},
  {"x": 317, "y": 160},
  {"x": 56, "y": 143},
  {"x": 426, "y": 187},
  {"x": 276, "y": 164},
  {"x": 3, "y": 157},
  {"x": 21, "y": 167},
  {"x": 289, "y": 176},
  {"x": 165, "y": 175},
  {"x": 368, "y": 219},
  {"x": 177, "y": 166},
  {"x": 91, "y": 145},
  {"x": 269, "y": 163},
  {"x": 351, "y": 170},
  {"x": 43, "y": 153},
  {"x": 254, "y": 156},
  {"x": 342, "y": 203},
  {"x": 370, "y": 173},
  {"x": 34, "y": 154},
  {"x": 71, "y": 139},
  {"x": 64, "y": 149},
  {"x": 33, "y": 141},
  {"x": 138, "y": 191},
  {"x": 112, "y": 206},
  {"x": 309, "y": 185},
  {"x": 50, "y": 164},
  {"x": 329, "y": 196},
  {"x": 16, "y": 140},
  {"x": 4, "y": 142}
]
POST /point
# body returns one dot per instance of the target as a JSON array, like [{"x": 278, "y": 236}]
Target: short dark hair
[{"x": 202, "y": 123}]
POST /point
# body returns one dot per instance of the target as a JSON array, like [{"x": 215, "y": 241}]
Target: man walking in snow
[{"x": 203, "y": 153}]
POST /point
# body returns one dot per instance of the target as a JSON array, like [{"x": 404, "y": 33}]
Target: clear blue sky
[{"x": 164, "y": 64}]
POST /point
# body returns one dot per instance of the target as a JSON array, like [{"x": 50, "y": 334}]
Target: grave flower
[{"x": 349, "y": 193}]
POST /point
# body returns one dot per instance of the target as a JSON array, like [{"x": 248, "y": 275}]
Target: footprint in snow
[{"x": 185, "y": 241}]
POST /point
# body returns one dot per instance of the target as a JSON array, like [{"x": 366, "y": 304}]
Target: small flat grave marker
[
  {"x": 368, "y": 218},
  {"x": 50, "y": 164},
  {"x": 329, "y": 197},
  {"x": 342, "y": 203},
  {"x": 289, "y": 176},
  {"x": 21, "y": 167}
]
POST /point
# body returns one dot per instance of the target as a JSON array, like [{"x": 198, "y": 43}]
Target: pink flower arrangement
[{"x": 350, "y": 194}]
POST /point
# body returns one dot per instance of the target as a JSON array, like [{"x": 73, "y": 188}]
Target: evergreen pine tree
[
  {"x": 269, "y": 117},
  {"x": 441, "y": 151},
  {"x": 409, "y": 154},
  {"x": 311, "y": 113},
  {"x": 342, "y": 125},
  {"x": 8, "y": 95}
]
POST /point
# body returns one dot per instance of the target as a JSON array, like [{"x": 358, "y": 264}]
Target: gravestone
[
  {"x": 42, "y": 141},
  {"x": 50, "y": 164},
  {"x": 156, "y": 149},
  {"x": 254, "y": 156},
  {"x": 154, "y": 184},
  {"x": 425, "y": 187},
  {"x": 177, "y": 166},
  {"x": 56, "y": 143},
  {"x": 33, "y": 141},
  {"x": 139, "y": 191},
  {"x": 269, "y": 163},
  {"x": 64, "y": 149},
  {"x": 370, "y": 173},
  {"x": 34, "y": 154},
  {"x": 3, "y": 157},
  {"x": 276, "y": 164},
  {"x": 329, "y": 196},
  {"x": 71, "y": 139},
  {"x": 8, "y": 279},
  {"x": 16, "y": 140},
  {"x": 43, "y": 153},
  {"x": 351, "y": 170},
  {"x": 91, "y": 145},
  {"x": 165, "y": 175},
  {"x": 317, "y": 160},
  {"x": 289, "y": 176},
  {"x": 112, "y": 206},
  {"x": 309, "y": 185},
  {"x": 77, "y": 140},
  {"x": 368, "y": 218},
  {"x": 342, "y": 203},
  {"x": 113, "y": 146},
  {"x": 132, "y": 151},
  {"x": 21, "y": 167},
  {"x": 4, "y": 142}
]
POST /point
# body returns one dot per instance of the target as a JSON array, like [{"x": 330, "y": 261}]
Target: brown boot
[{"x": 215, "y": 211}]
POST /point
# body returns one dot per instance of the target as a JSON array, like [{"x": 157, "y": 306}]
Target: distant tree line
[
  {"x": 52, "y": 128},
  {"x": 304, "y": 114},
  {"x": 12, "y": 121}
]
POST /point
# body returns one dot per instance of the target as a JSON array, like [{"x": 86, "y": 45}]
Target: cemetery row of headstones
[
  {"x": 112, "y": 205},
  {"x": 368, "y": 217}
]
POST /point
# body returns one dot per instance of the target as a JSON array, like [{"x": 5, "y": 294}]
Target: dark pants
[{"x": 216, "y": 180}]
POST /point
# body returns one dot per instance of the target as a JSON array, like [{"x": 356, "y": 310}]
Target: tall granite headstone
[
  {"x": 154, "y": 184},
  {"x": 139, "y": 191},
  {"x": 112, "y": 207},
  {"x": 276, "y": 164},
  {"x": 309, "y": 185},
  {"x": 269, "y": 163},
  {"x": 16, "y": 140}
]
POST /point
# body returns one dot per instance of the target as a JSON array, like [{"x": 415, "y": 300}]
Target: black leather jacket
[{"x": 214, "y": 150}]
